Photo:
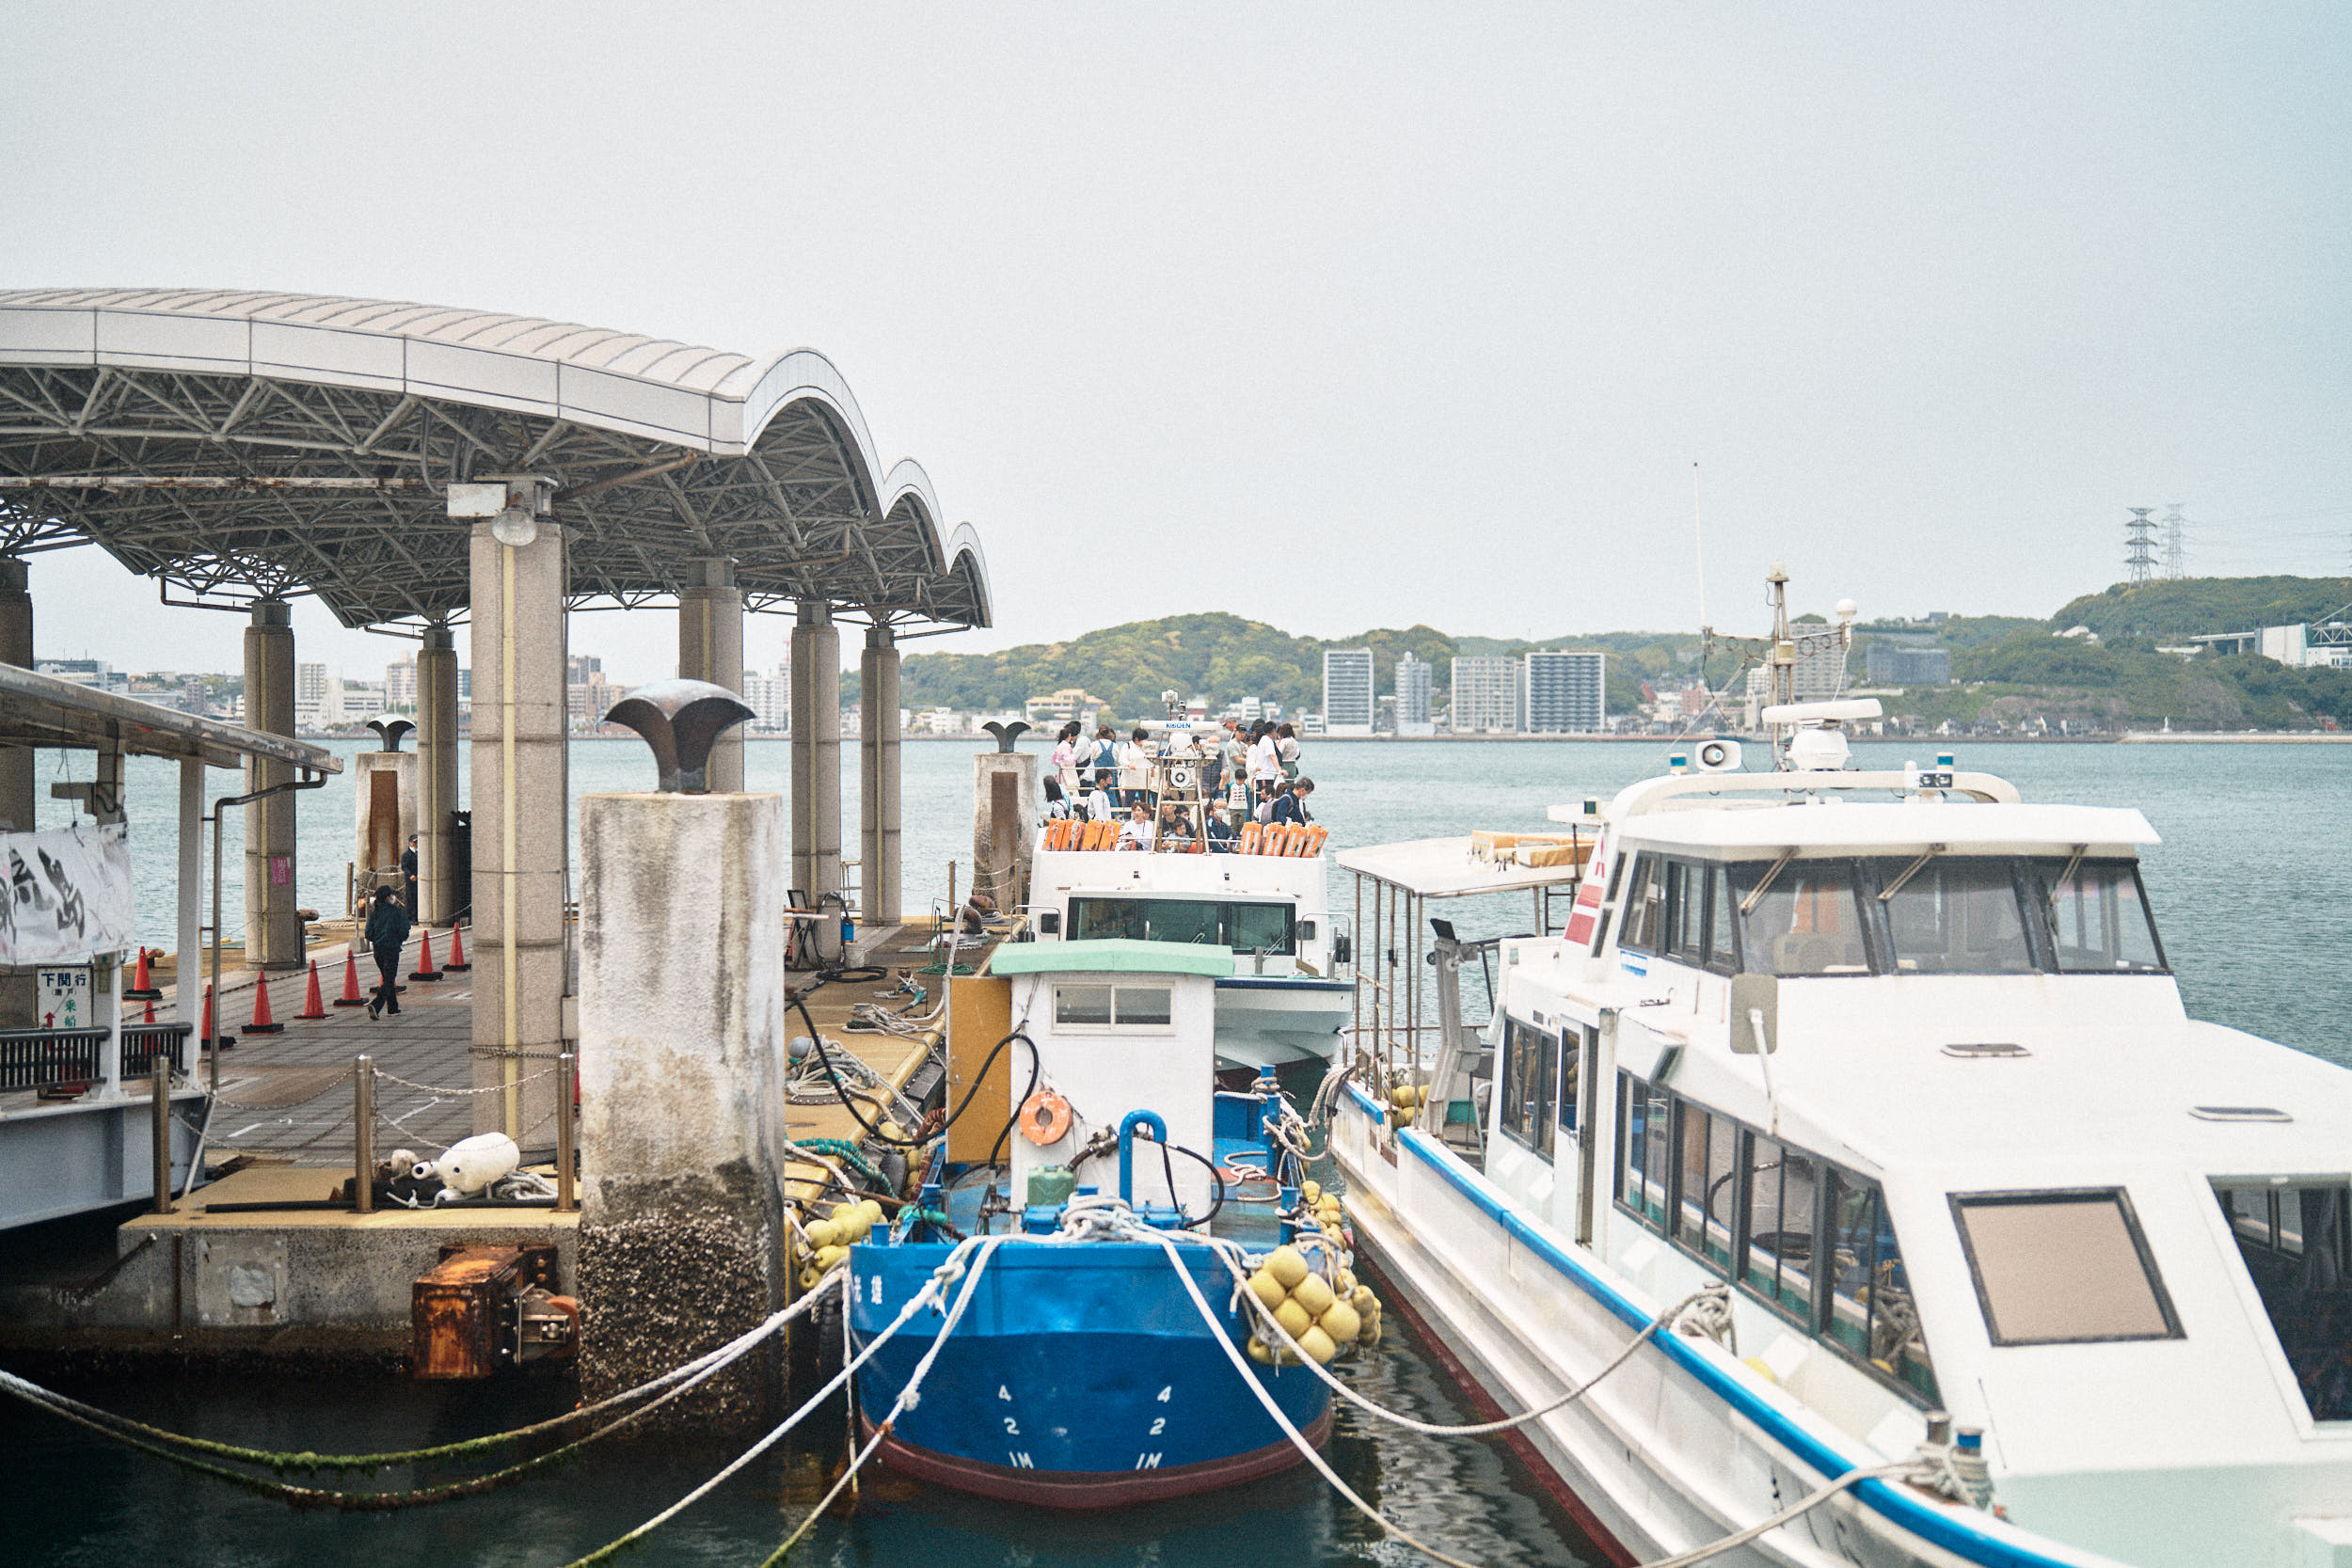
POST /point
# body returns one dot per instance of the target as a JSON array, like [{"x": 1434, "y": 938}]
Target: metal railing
[{"x": 47, "y": 1058}]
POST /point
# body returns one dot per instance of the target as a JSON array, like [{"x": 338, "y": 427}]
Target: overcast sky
[{"x": 1331, "y": 316}]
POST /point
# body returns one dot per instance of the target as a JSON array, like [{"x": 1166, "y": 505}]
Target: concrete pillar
[
  {"x": 19, "y": 994},
  {"x": 681, "y": 1090},
  {"x": 710, "y": 648},
  {"x": 878, "y": 778},
  {"x": 189, "y": 981},
  {"x": 1007, "y": 803},
  {"x": 519, "y": 839},
  {"x": 436, "y": 776},
  {"x": 273, "y": 929},
  {"x": 815, "y": 751}
]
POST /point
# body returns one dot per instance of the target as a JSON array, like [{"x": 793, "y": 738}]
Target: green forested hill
[
  {"x": 2190, "y": 607},
  {"x": 1225, "y": 658}
]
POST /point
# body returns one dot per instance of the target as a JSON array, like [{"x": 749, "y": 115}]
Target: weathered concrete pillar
[
  {"x": 272, "y": 926},
  {"x": 189, "y": 981},
  {"x": 17, "y": 766},
  {"x": 383, "y": 815},
  {"x": 815, "y": 751},
  {"x": 710, "y": 648},
  {"x": 519, "y": 838},
  {"x": 1007, "y": 801},
  {"x": 681, "y": 1092},
  {"x": 878, "y": 778},
  {"x": 436, "y": 776}
]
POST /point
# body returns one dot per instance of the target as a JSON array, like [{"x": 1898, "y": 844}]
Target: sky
[{"x": 1511, "y": 320}]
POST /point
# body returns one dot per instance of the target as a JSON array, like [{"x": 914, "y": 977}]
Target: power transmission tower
[
  {"x": 2140, "y": 544},
  {"x": 2175, "y": 543}
]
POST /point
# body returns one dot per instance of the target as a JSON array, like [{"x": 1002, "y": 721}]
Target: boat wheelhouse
[
  {"x": 1891, "y": 1070},
  {"x": 1262, "y": 893}
]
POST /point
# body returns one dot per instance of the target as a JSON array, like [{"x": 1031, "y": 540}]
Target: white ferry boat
[
  {"x": 1890, "y": 1071},
  {"x": 1262, "y": 893}
]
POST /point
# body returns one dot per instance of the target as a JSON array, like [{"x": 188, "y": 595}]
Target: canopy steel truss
[{"x": 234, "y": 487}]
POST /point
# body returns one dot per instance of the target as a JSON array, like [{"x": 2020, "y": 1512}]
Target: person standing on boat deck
[
  {"x": 1136, "y": 833},
  {"x": 1135, "y": 767},
  {"x": 408, "y": 877},
  {"x": 1265, "y": 763},
  {"x": 1211, "y": 761},
  {"x": 1106, "y": 762},
  {"x": 1174, "y": 831},
  {"x": 1291, "y": 804},
  {"x": 387, "y": 933},
  {"x": 1093, "y": 804},
  {"x": 1065, "y": 759},
  {"x": 1057, "y": 803},
  {"x": 1236, "y": 761},
  {"x": 1218, "y": 833},
  {"x": 1286, "y": 751}
]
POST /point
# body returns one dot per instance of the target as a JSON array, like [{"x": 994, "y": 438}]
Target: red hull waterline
[{"x": 1087, "y": 1489}]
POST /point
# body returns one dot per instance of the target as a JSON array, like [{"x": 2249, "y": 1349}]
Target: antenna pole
[{"x": 1698, "y": 551}]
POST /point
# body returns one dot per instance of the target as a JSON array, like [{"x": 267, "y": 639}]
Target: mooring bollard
[
  {"x": 159, "y": 1118},
  {"x": 363, "y": 1133},
  {"x": 566, "y": 1076}
]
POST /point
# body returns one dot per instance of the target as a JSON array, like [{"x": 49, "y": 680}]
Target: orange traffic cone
[
  {"x": 314, "y": 1006},
  {"x": 149, "y": 1017},
  {"x": 217, "y": 1042},
  {"x": 142, "y": 984},
  {"x": 261, "y": 1023},
  {"x": 424, "y": 970},
  {"x": 351, "y": 997},
  {"x": 457, "y": 959}
]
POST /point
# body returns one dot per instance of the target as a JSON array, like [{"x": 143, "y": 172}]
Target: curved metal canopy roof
[{"x": 664, "y": 455}]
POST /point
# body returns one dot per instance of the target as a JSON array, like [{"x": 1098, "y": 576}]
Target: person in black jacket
[
  {"x": 1291, "y": 804},
  {"x": 387, "y": 933},
  {"x": 408, "y": 878}
]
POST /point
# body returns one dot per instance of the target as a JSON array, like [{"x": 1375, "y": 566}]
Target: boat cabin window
[
  {"x": 1812, "y": 1240},
  {"x": 1954, "y": 915},
  {"x": 1872, "y": 1311},
  {"x": 1243, "y": 927},
  {"x": 2057, "y": 1268},
  {"x": 1530, "y": 1085},
  {"x": 1778, "y": 1225},
  {"x": 2293, "y": 1236},
  {"x": 1682, "y": 909},
  {"x": 1644, "y": 1131},
  {"x": 1709, "y": 1201},
  {"x": 2098, "y": 918},
  {"x": 1113, "y": 1006},
  {"x": 1806, "y": 920}
]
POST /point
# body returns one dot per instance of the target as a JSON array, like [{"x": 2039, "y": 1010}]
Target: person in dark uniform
[
  {"x": 408, "y": 878},
  {"x": 387, "y": 933},
  {"x": 1291, "y": 804}
]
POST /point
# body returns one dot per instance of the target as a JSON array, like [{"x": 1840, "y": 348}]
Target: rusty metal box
[{"x": 462, "y": 1313}]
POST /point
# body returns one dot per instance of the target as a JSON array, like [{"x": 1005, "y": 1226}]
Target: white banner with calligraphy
[{"x": 69, "y": 896}]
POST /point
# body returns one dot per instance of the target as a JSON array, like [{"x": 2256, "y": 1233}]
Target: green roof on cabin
[{"x": 1112, "y": 956}]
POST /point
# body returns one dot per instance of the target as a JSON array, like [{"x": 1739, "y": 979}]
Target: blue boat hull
[{"x": 1081, "y": 1376}]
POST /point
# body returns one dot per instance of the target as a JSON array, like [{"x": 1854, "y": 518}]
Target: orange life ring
[{"x": 1044, "y": 1118}]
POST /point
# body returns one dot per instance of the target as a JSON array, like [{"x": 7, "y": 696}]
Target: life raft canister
[{"x": 1044, "y": 1118}]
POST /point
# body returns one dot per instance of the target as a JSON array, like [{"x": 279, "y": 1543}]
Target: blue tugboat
[{"x": 1083, "y": 1374}]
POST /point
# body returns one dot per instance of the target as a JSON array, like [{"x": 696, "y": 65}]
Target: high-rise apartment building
[
  {"x": 1413, "y": 681},
  {"x": 1563, "y": 693},
  {"x": 400, "y": 683},
  {"x": 1347, "y": 691},
  {"x": 1484, "y": 695},
  {"x": 769, "y": 698}
]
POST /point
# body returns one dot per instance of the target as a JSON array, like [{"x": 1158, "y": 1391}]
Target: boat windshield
[
  {"x": 1941, "y": 914},
  {"x": 1245, "y": 928}
]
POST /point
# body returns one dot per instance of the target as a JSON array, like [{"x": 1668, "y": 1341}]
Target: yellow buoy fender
[
  {"x": 822, "y": 1233},
  {"x": 1318, "y": 1344},
  {"x": 1267, "y": 1289},
  {"x": 1340, "y": 1323},
  {"x": 1311, "y": 1190},
  {"x": 1313, "y": 1295},
  {"x": 1294, "y": 1319},
  {"x": 1285, "y": 1264}
]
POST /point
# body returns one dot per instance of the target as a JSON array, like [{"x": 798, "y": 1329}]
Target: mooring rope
[
  {"x": 943, "y": 1276},
  {"x": 179, "y": 1449}
]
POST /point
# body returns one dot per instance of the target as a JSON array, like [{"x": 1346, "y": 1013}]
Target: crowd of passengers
[{"x": 1245, "y": 774}]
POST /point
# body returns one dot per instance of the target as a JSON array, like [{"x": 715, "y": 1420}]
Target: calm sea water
[
  {"x": 2253, "y": 839},
  {"x": 2253, "y": 836}
]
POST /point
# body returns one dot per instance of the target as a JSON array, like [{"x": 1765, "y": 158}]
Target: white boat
[
  {"x": 1889, "y": 1069},
  {"x": 1264, "y": 898}
]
